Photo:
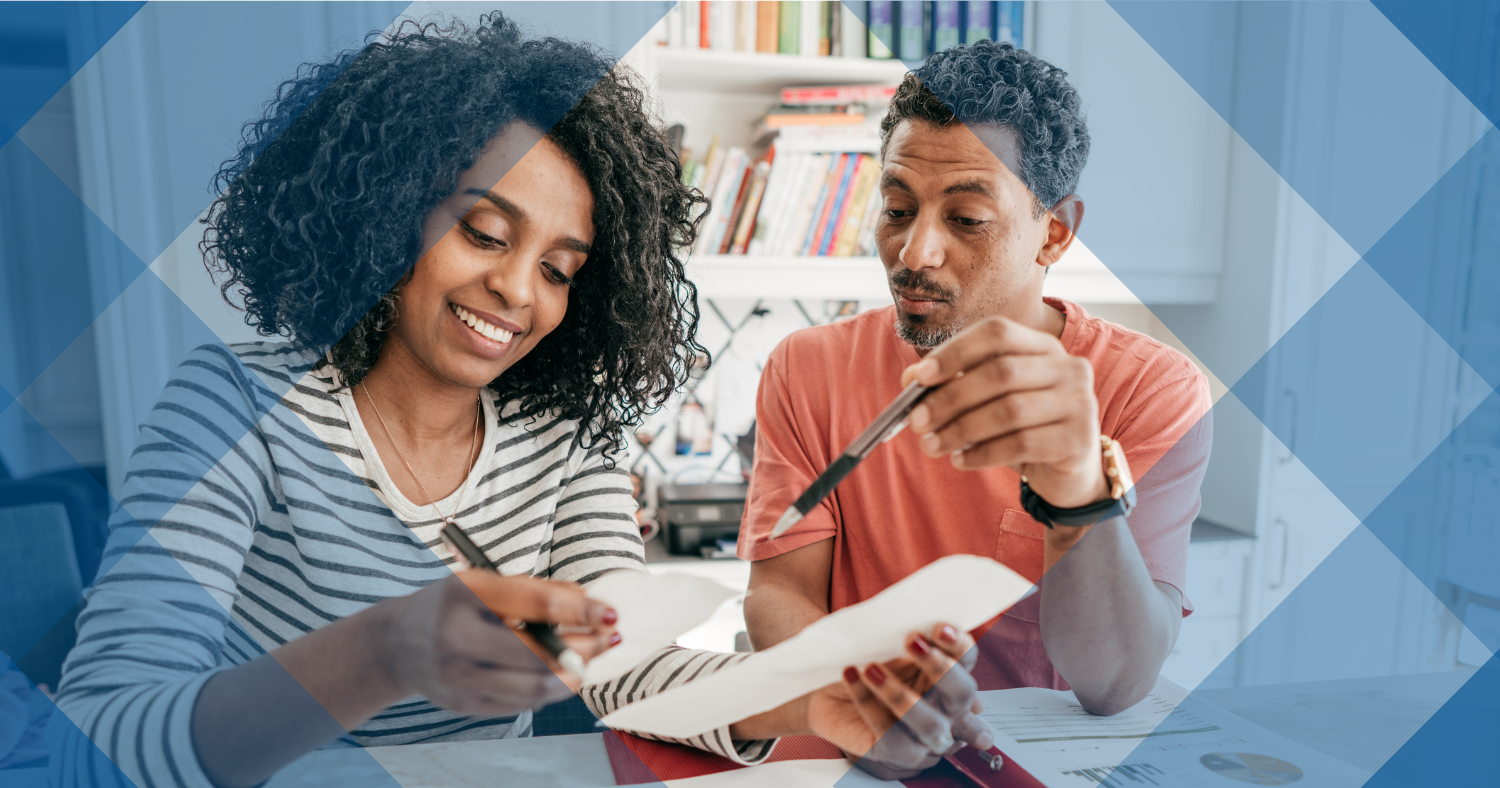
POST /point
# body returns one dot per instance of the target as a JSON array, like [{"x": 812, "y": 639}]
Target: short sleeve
[
  {"x": 1167, "y": 438},
  {"x": 784, "y": 466}
]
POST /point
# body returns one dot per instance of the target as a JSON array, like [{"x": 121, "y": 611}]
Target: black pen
[
  {"x": 883, "y": 428},
  {"x": 545, "y": 634}
]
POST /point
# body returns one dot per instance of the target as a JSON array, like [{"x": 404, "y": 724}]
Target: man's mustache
[{"x": 918, "y": 283}]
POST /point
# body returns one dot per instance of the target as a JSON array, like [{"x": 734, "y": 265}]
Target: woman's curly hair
[{"x": 321, "y": 211}]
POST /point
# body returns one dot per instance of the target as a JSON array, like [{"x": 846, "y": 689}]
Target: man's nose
[{"x": 923, "y": 247}]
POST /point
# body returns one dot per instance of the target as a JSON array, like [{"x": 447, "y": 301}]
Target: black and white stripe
[{"x": 256, "y": 509}]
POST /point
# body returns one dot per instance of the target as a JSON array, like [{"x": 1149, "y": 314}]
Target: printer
[{"x": 700, "y": 519}]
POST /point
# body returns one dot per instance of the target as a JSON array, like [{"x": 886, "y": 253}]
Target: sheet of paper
[
  {"x": 963, "y": 590},
  {"x": 653, "y": 610},
  {"x": 1169, "y": 738},
  {"x": 789, "y": 774}
]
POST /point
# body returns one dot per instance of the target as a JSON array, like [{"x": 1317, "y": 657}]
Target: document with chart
[{"x": 1168, "y": 739}]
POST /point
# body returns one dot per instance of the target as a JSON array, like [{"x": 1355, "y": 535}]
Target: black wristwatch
[{"x": 1121, "y": 493}]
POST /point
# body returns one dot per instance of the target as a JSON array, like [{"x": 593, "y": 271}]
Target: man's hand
[
  {"x": 1010, "y": 395},
  {"x": 899, "y": 718}
]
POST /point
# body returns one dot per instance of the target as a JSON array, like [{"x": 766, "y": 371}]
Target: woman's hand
[
  {"x": 900, "y": 718},
  {"x": 454, "y": 642}
]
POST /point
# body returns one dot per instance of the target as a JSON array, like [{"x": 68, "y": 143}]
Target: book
[
  {"x": 945, "y": 32},
  {"x": 824, "y": 205},
  {"x": 859, "y": 196},
  {"x": 745, "y": 30},
  {"x": 864, "y": 243},
  {"x": 722, "y": 29},
  {"x": 767, "y": 25},
  {"x": 835, "y": 30},
  {"x": 840, "y": 203},
  {"x": 1008, "y": 22},
  {"x": 810, "y": 27},
  {"x": 837, "y": 94},
  {"x": 910, "y": 33},
  {"x": 853, "y": 38},
  {"x": 789, "y": 32},
  {"x": 705, "y": 17},
  {"x": 806, "y": 195},
  {"x": 773, "y": 200},
  {"x": 725, "y": 190},
  {"x": 977, "y": 18},
  {"x": 881, "y": 30},
  {"x": 692, "y": 22},
  {"x": 673, "y": 21},
  {"x": 739, "y": 193},
  {"x": 781, "y": 120},
  {"x": 825, "y": 28},
  {"x": 753, "y": 197}
]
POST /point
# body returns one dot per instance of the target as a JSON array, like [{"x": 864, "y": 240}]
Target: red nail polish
[
  {"x": 918, "y": 646},
  {"x": 851, "y": 675},
  {"x": 948, "y": 634},
  {"x": 609, "y": 617},
  {"x": 614, "y": 639},
  {"x": 875, "y": 674}
]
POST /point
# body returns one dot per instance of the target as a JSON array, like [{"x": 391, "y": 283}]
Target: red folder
[{"x": 638, "y": 761}]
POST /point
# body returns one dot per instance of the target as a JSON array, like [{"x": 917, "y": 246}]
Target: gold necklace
[{"x": 478, "y": 411}]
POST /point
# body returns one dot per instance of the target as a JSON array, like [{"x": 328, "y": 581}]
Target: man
[{"x": 981, "y": 152}]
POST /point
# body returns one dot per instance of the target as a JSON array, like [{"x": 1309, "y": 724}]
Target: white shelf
[
  {"x": 752, "y": 72},
  {"x": 1078, "y": 277}
]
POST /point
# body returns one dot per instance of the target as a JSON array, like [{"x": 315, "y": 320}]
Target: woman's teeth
[{"x": 480, "y": 327}]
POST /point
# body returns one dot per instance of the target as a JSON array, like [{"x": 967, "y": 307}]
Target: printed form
[{"x": 1168, "y": 739}]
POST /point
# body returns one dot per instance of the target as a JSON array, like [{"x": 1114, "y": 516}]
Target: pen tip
[
  {"x": 571, "y": 662},
  {"x": 788, "y": 519}
]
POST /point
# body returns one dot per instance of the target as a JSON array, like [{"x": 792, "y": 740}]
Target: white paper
[
  {"x": 653, "y": 611},
  {"x": 962, "y": 590},
  {"x": 820, "y": 773},
  {"x": 1167, "y": 739}
]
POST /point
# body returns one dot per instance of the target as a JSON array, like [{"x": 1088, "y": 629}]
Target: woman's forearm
[{"x": 255, "y": 718}]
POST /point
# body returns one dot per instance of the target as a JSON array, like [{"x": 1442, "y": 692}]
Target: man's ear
[{"x": 1062, "y": 227}]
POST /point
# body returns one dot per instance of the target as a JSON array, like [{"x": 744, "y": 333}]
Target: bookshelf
[
  {"x": 762, "y": 74},
  {"x": 1079, "y": 277}
]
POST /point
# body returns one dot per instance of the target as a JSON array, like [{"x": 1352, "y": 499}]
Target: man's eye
[
  {"x": 967, "y": 222},
  {"x": 480, "y": 239},
  {"x": 897, "y": 214}
]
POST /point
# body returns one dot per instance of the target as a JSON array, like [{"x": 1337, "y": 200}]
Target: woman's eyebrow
[{"x": 519, "y": 215}]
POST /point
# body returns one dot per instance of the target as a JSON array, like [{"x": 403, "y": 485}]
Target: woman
[{"x": 470, "y": 240}]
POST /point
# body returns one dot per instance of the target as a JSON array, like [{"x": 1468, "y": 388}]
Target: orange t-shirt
[{"x": 901, "y": 510}]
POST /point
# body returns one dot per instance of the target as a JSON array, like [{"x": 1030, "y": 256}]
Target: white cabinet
[{"x": 1156, "y": 180}]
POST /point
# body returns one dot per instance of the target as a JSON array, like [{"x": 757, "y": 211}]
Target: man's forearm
[
  {"x": 774, "y": 613},
  {"x": 1106, "y": 625}
]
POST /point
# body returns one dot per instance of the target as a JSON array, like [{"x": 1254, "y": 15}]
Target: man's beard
[{"x": 915, "y": 330}]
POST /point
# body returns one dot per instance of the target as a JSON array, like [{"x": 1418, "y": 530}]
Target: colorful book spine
[
  {"x": 910, "y": 34},
  {"x": 977, "y": 22},
  {"x": 767, "y": 25},
  {"x": 864, "y": 185},
  {"x": 1008, "y": 22},
  {"x": 752, "y": 207},
  {"x": 837, "y": 94},
  {"x": 825, "y": 204},
  {"x": 741, "y": 193},
  {"x": 705, "y": 19},
  {"x": 745, "y": 31},
  {"x": 789, "y": 31},
  {"x": 772, "y": 201},
  {"x": 945, "y": 24},
  {"x": 808, "y": 194},
  {"x": 840, "y": 205},
  {"x": 882, "y": 31},
  {"x": 825, "y": 29}
]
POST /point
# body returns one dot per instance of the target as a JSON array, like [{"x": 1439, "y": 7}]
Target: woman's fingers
[
  {"x": 926, "y": 724},
  {"x": 533, "y": 599},
  {"x": 956, "y": 643}
]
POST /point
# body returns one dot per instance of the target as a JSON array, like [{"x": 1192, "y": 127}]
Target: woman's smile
[{"x": 489, "y": 336}]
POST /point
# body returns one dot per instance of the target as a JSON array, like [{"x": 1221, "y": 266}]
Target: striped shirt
[{"x": 255, "y": 509}]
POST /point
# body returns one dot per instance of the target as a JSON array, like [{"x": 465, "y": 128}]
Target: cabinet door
[{"x": 1155, "y": 202}]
